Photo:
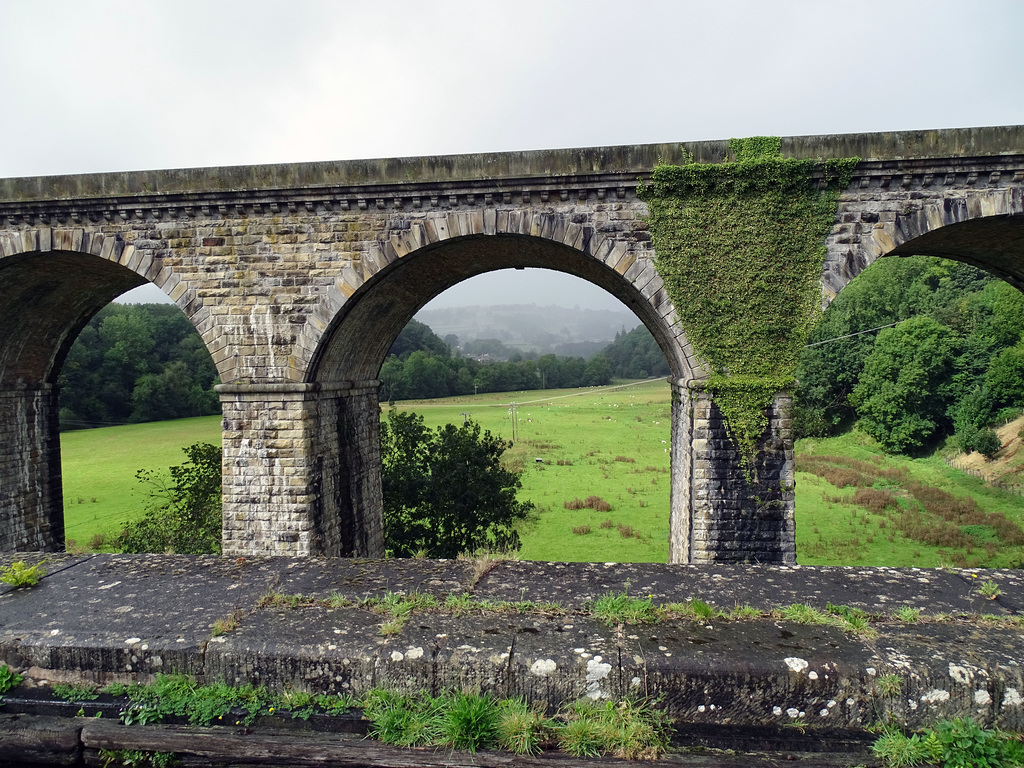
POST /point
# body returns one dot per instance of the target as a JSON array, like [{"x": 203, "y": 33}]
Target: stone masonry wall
[
  {"x": 268, "y": 466},
  {"x": 907, "y": 211},
  {"x": 739, "y": 514},
  {"x": 302, "y": 470},
  {"x": 31, "y": 496},
  {"x": 348, "y": 513}
]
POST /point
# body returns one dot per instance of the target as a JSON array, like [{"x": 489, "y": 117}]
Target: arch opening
[
  {"x": 47, "y": 300},
  {"x": 925, "y": 355},
  {"x": 591, "y": 454},
  {"x": 358, "y": 340},
  {"x": 346, "y": 366}
]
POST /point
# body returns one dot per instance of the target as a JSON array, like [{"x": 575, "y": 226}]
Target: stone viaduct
[{"x": 299, "y": 277}]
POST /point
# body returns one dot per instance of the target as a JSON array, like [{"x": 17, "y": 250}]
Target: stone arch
[
  {"x": 80, "y": 271},
  {"x": 441, "y": 249},
  {"x": 356, "y": 345},
  {"x": 984, "y": 228},
  {"x": 52, "y": 282},
  {"x": 400, "y": 276}
]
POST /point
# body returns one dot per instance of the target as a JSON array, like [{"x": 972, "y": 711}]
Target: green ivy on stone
[{"x": 740, "y": 247}]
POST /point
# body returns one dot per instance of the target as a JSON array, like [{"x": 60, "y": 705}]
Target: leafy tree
[
  {"x": 904, "y": 389},
  {"x": 598, "y": 371},
  {"x": 137, "y": 362},
  {"x": 636, "y": 355},
  {"x": 1004, "y": 377},
  {"x": 185, "y": 516},
  {"x": 445, "y": 491}
]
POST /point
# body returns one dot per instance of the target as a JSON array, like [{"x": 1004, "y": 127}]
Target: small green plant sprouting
[
  {"x": 274, "y": 599},
  {"x": 852, "y": 620},
  {"x": 137, "y": 758},
  {"x": 393, "y": 626},
  {"x": 8, "y": 679},
  {"x": 957, "y": 743},
  {"x": 229, "y": 623},
  {"x": 744, "y": 612},
  {"x": 622, "y": 609},
  {"x": 522, "y": 729},
  {"x": 908, "y": 614},
  {"x": 461, "y": 603},
  {"x": 471, "y": 723},
  {"x": 889, "y": 685},
  {"x": 990, "y": 590},
  {"x": 19, "y": 574},
  {"x": 858, "y": 625},
  {"x": 803, "y": 614},
  {"x": 336, "y": 601},
  {"x": 398, "y": 605},
  {"x": 74, "y": 693},
  {"x": 627, "y": 730},
  {"x": 696, "y": 609},
  {"x": 140, "y": 714},
  {"x": 896, "y": 750}
]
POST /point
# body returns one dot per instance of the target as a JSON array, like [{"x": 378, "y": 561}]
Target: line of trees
[
  {"x": 145, "y": 362},
  {"x": 950, "y": 367},
  {"x": 135, "y": 363},
  {"x": 421, "y": 365}
]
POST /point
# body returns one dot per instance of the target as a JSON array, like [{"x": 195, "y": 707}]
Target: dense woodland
[
  {"x": 950, "y": 365},
  {"x": 134, "y": 363}
]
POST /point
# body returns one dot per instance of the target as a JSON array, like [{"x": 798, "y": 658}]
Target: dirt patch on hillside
[{"x": 1007, "y": 467}]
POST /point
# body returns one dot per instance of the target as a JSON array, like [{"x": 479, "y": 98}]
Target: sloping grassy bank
[{"x": 857, "y": 506}]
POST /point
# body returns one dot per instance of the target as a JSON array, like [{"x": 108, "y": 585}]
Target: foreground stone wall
[{"x": 107, "y": 618}]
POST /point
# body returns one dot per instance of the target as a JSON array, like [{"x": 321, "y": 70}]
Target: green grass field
[
  {"x": 99, "y": 465},
  {"x": 607, "y": 443}
]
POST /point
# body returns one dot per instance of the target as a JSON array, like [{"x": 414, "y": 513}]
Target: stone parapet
[{"x": 121, "y": 618}]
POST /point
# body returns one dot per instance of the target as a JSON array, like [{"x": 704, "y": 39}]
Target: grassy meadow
[
  {"x": 99, "y": 465},
  {"x": 595, "y": 463},
  {"x": 606, "y": 442}
]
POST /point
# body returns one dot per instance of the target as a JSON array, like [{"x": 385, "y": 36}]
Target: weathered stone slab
[{"x": 118, "y": 617}]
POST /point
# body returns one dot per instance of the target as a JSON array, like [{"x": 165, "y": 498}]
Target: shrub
[
  {"x": 987, "y": 443},
  {"x": 581, "y": 530},
  {"x": 184, "y": 516}
]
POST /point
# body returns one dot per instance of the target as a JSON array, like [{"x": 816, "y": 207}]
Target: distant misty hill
[{"x": 528, "y": 327}]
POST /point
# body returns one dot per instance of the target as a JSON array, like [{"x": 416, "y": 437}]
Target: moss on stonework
[{"x": 740, "y": 246}]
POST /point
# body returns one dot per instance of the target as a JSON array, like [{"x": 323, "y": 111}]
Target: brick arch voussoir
[
  {"x": 115, "y": 249},
  {"x": 909, "y": 225},
  {"x": 437, "y": 227}
]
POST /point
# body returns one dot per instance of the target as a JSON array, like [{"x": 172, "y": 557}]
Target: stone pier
[{"x": 724, "y": 509}]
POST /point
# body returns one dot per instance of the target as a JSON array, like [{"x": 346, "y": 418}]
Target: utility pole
[{"x": 513, "y": 411}]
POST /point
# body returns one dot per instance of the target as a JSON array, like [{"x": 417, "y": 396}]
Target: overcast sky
[{"x": 110, "y": 85}]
